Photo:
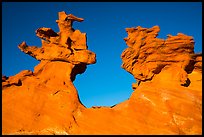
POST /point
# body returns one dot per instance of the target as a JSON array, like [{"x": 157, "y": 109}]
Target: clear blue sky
[{"x": 104, "y": 83}]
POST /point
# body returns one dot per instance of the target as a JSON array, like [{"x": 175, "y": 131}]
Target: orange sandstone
[{"x": 167, "y": 98}]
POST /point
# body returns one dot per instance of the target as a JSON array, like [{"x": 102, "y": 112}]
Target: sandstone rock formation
[
  {"x": 148, "y": 55},
  {"x": 167, "y": 97},
  {"x": 44, "y": 101}
]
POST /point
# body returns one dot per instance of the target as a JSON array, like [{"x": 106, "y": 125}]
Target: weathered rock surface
[
  {"x": 45, "y": 101},
  {"x": 167, "y": 98},
  {"x": 147, "y": 55}
]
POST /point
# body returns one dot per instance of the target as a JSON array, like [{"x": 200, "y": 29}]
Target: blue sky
[{"x": 104, "y": 83}]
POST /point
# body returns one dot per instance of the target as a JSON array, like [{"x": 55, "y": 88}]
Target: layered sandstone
[{"x": 167, "y": 98}]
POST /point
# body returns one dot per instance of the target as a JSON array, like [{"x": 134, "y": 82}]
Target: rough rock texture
[
  {"x": 167, "y": 98},
  {"x": 148, "y": 55},
  {"x": 44, "y": 101}
]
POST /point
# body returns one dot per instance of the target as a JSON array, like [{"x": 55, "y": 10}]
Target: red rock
[
  {"x": 167, "y": 98},
  {"x": 149, "y": 55}
]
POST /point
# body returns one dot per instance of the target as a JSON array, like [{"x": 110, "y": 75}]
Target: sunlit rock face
[
  {"x": 167, "y": 98},
  {"x": 147, "y": 55},
  {"x": 168, "y": 92},
  {"x": 44, "y": 101}
]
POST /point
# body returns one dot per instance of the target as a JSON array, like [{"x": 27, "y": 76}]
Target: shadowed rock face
[{"x": 167, "y": 98}]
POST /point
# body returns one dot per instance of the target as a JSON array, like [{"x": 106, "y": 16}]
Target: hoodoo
[{"x": 167, "y": 98}]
